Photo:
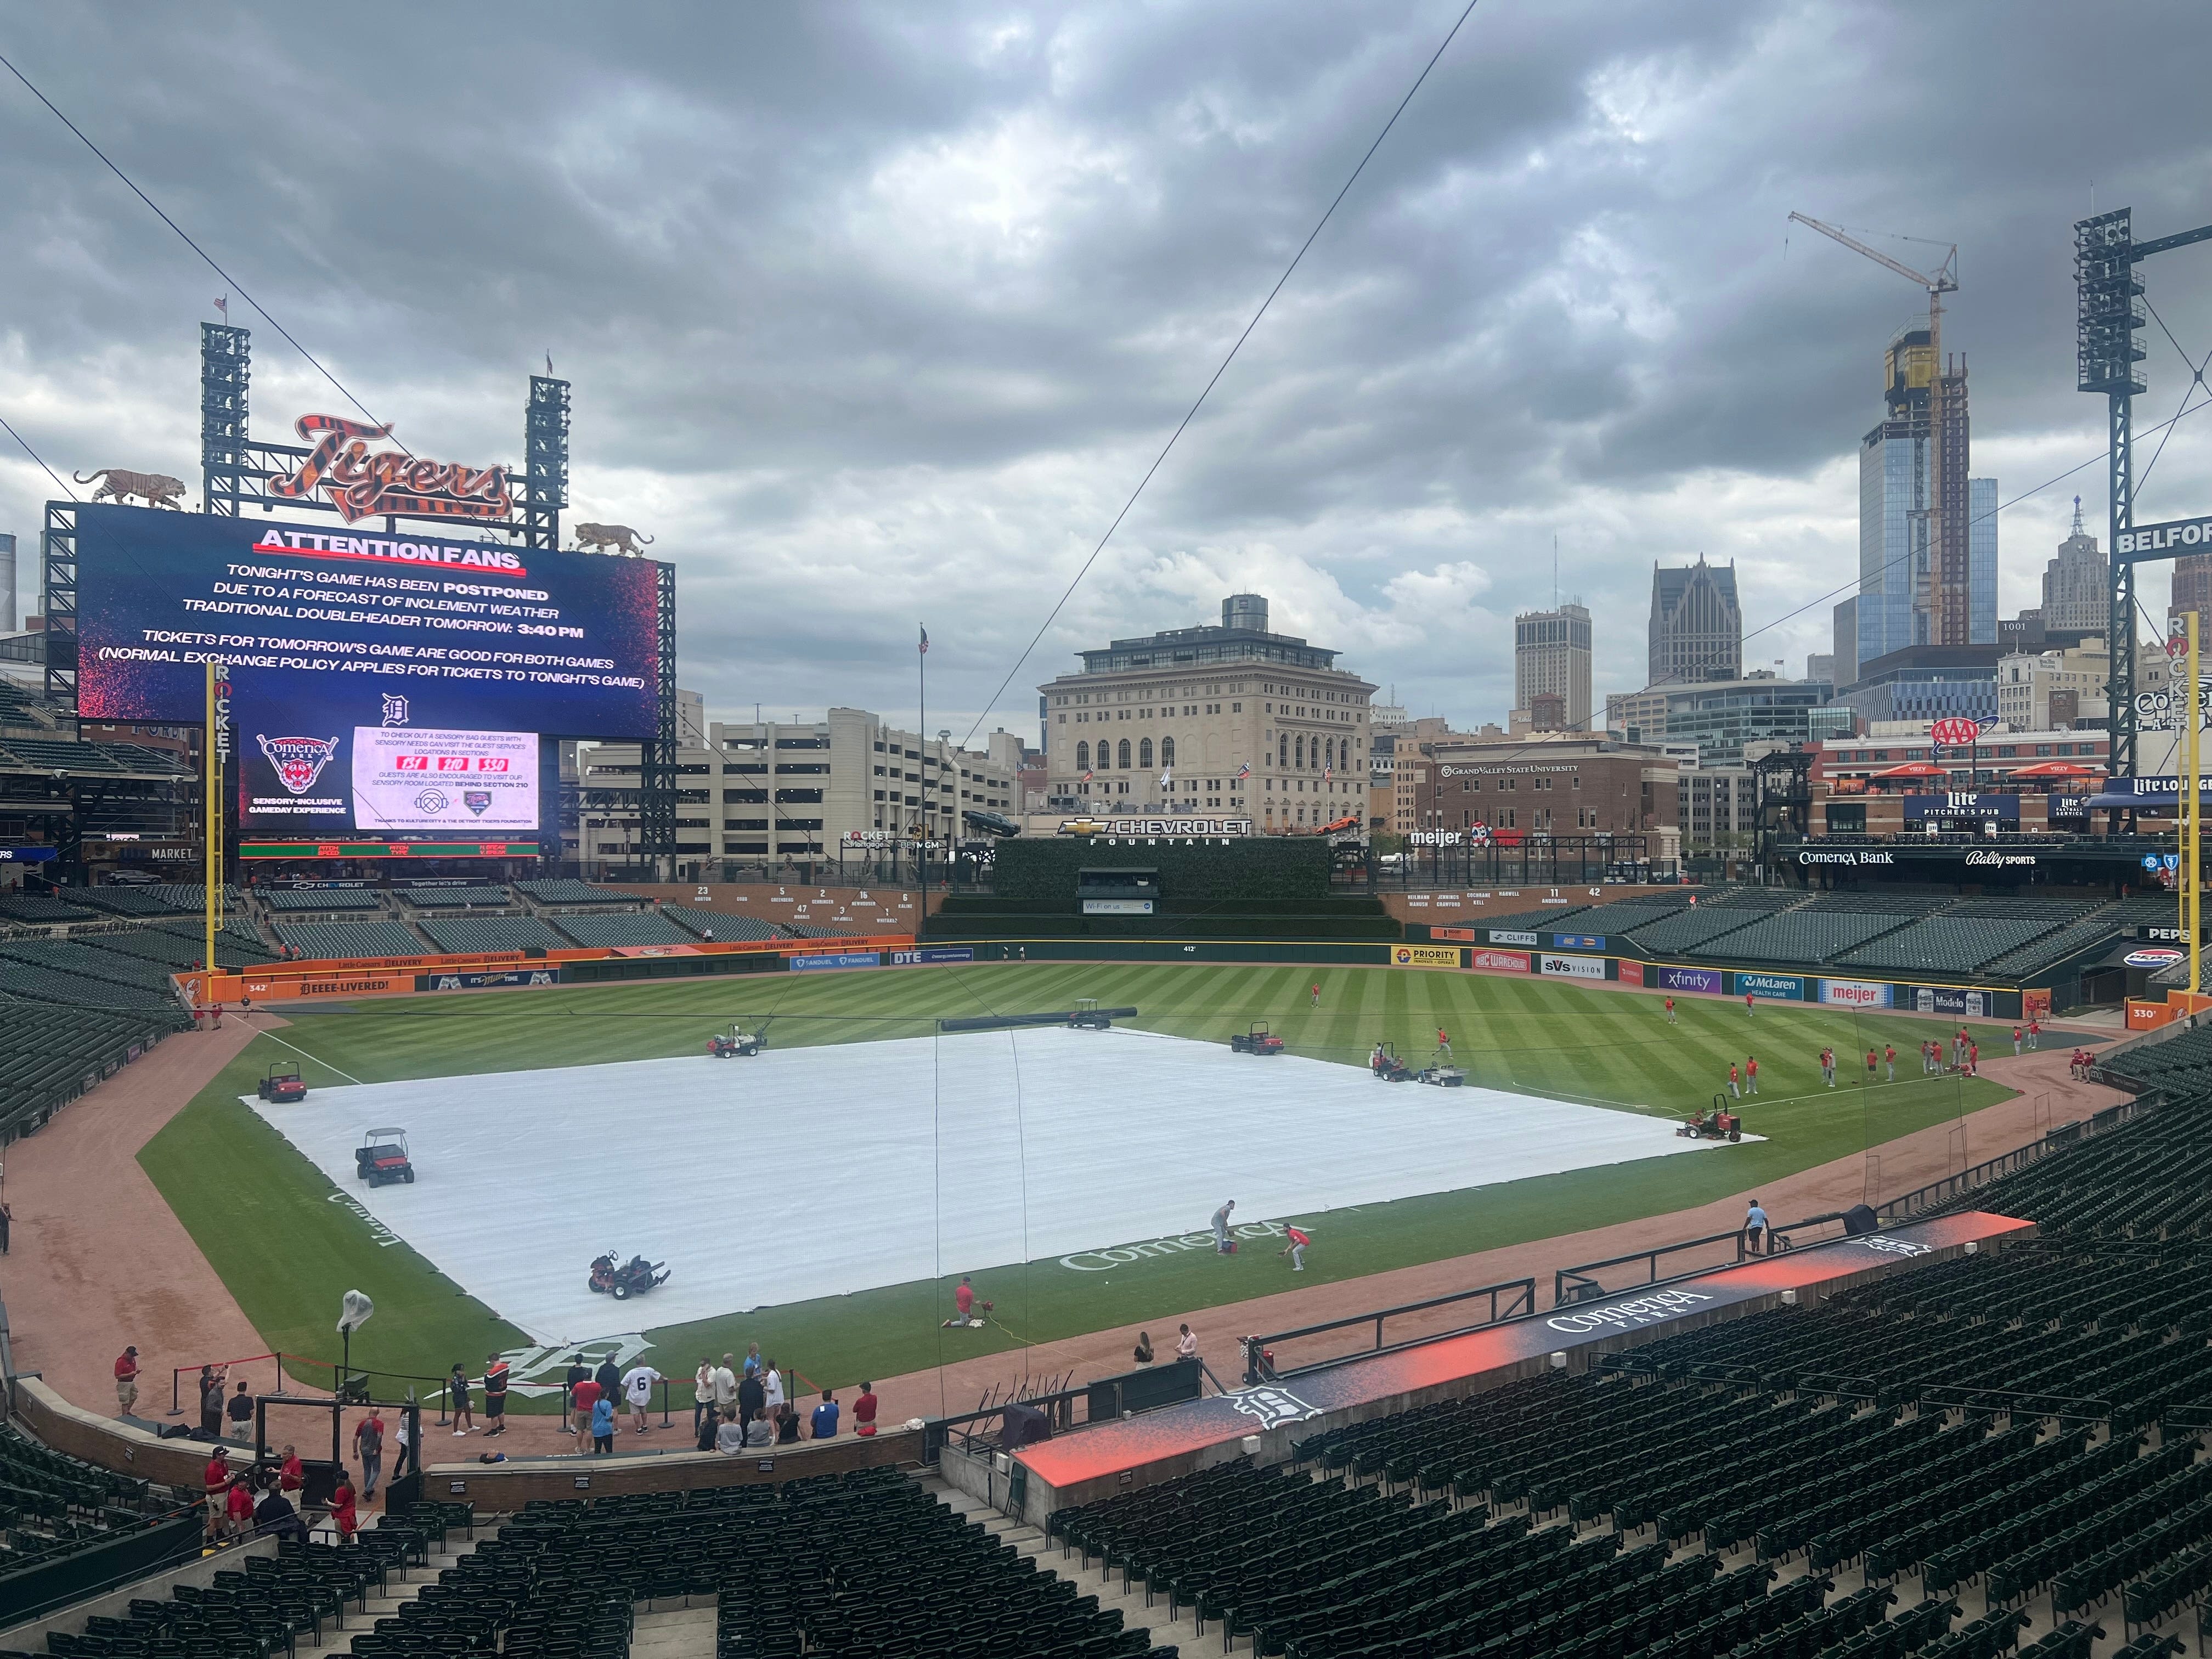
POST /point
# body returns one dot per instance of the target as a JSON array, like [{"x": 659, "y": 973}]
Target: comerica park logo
[{"x": 299, "y": 761}]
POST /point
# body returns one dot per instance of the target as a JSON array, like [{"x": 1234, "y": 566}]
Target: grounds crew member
[{"x": 1221, "y": 1227}]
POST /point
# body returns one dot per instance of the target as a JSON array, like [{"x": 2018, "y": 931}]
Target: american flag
[
  {"x": 1088, "y": 775},
  {"x": 1245, "y": 770},
  {"x": 1167, "y": 778},
  {"x": 222, "y": 304},
  {"x": 1328, "y": 772},
  {"x": 924, "y": 641}
]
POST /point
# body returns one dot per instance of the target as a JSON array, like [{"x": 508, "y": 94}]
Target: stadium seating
[
  {"x": 628, "y": 928},
  {"x": 310, "y": 900},
  {"x": 179, "y": 944},
  {"x": 334, "y": 940},
  {"x": 27, "y": 983},
  {"x": 1750, "y": 898},
  {"x": 2049, "y": 950},
  {"x": 567, "y": 890},
  {"x": 484, "y": 896},
  {"x": 124, "y": 901},
  {"x": 80, "y": 958},
  {"x": 887, "y": 1571},
  {"x": 1875, "y": 903},
  {"x": 1685, "y": 930},
  {"x": 468, "y": 935},
  {"x": 51, "y": 1053},
  {"x": 190, "y": 896},
  {"x": 39, "y": 910},
  {"x": 1531, "y": 921},
  {"x": 1803, "y": 935},
  {"x": 699, "y": 923},
  {"x": 1948, "y": 944}
]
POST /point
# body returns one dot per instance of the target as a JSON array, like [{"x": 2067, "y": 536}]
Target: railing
[
  {"x": 1514, "y": 1298},
  {"x": 1940, "y": 1194},
  {"x": 1579, "y": 1283},
  {"x": 1059, "y": 1406}
]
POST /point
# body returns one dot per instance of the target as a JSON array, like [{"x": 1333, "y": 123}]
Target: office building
[
  {"x": 2076, "y": 586},
  {"x": 767, "y": 792},
  {"x": 1896, "y": 599},
  {"x": 1758, "y": 709},
  {"x": 1562, "y": 783},
  {"x": 2044, "y": 690},
  {"x": 1926, "y": 683},
  {"x": 1696, "y": 630},
  {"x": 1636, "y": 716},
  {"x": 1719, "y": 810},
  {"x": 7, "y": 583},
  {"x": 1843, "y": 652},
  {"x": 1551, "y": 653},
  {"x": 1820, "y": 666},
  {"x": 2192, "y": 590},
  {"x": 690, "y": 720},
  {"x": 1226, "y": 719}
]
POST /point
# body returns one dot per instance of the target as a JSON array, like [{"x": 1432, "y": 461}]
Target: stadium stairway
[
  {"x": 402, "y": 1586},
  {"x": 1089, "y": 1579}
]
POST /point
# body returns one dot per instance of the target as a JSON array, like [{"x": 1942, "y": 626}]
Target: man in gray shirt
[{"x": 1221, "y": 1226}]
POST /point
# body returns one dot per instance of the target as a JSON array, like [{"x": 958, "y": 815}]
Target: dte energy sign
[{"x": 566, "y": 644}]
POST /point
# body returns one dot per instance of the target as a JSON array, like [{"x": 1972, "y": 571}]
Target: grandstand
[
  {"x": 1800, "y": 936},
  {"x": 701, "y": 924},
  {"x": 1949, "y": 943},
  {"x": 81, "y": 958},
  {"x": 567, "y": 890},
  {"x": 621, "y": 928},
  {"x": 126, "y": 901},
  {"x": 39, "y": 910},
  {"x": 471, "y": 935},
  {"x": 305, "y": 901},
  {"x": 1533, "y": 921},
  {"x": 1682, "y": 931},
  {"x": 50, "y": 1054},
  {"x": 473, "y": 897},
  {"x": 335, "y": 940},
  {"x": 180, "y": 944}
]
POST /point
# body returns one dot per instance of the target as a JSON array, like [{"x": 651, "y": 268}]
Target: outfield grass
[{"x": 288, "y": 1244}]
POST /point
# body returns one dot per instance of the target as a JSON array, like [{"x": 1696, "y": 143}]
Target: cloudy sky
[{"x": 877, "y": 313}]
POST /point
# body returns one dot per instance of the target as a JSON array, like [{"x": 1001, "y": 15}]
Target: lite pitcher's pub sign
[{"x": 361, "y": 485}]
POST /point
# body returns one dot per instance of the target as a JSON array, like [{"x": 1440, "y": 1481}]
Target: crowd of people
[{"x": 736, "y": 1408}]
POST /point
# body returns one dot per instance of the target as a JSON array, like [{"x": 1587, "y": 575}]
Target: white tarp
[{"x": 808, "y": 1172}]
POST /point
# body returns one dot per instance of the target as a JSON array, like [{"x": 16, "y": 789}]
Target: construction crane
[{"x": 1949, "y": 580}]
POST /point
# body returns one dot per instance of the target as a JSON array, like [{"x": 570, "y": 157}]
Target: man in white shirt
[
  {"x": 637, "y": 1389},
  {"x": 772, "y": 1384},
  {"x": 1186, "y": 1343},
  {"x": 703, "y": 1393},
  {"x": 725, "y": 1384}
]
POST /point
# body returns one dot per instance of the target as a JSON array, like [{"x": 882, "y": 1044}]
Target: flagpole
[{"x": 921, "y": 841}]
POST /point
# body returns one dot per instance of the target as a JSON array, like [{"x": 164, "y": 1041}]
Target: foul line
[{"x": 303, "y": 1054}]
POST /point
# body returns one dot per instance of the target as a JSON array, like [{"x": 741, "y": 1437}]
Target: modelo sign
[
  {"x": 1856, "y": 993},
  {"x": 1573, "y": 967},
  {"x": 1945, "y": 999}
]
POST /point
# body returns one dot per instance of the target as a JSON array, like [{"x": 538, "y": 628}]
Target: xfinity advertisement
[{"x": 319, "y": 759}]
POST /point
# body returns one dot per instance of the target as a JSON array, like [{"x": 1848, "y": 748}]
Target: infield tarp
[{"x": 819, "y": 1171}]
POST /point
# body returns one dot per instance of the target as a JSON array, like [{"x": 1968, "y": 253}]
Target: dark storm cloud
[{"x": 876, "y": 314}]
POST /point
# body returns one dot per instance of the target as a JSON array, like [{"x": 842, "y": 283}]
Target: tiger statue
[
  {"x": 159, "y": 488},
  {"x": 611, "y": 538}
]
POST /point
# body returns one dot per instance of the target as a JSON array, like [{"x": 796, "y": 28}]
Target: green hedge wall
[{"x": 1255, "y": 867}]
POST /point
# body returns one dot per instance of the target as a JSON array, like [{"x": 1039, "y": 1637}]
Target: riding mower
[
  {"x": 1256, "y": 1040},
  {"x": 634, "y": 1277},
  {"x": 1719, "y": 1124},
  {"x": 283, "y": 1083},
  {"x": 1386, "y": 1065}
]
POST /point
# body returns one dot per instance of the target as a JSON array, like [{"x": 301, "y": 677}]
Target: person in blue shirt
[
  {"x": 1755, "y": 1227},
  {"x": 825, "y": 1417},
  {"x": 752, "y": 1359},
  {"x": 603, "y": 1425}
]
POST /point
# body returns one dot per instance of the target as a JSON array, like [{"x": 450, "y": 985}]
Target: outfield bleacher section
[
  {"x": 1802, "y": 936},
  {"x": 83, "y": 959},
  {"x": 180, "y": 944},
  {"x": 184, "y": 895},
  {"x": 40, "y": 910},
  {"x": 567, "y": 890},
  {"x": 475, "y": 935},
  {"x": 483, "y": 897},
  {"x": 130, "y": 901},
  {"x": 1948, "y": 944},
  {"x": 703, "y": 924},
  {"x": 1685, "y": 930},
  {"x": 340, "y": 941},
  {"x": 1532, "y": 921},
  {"x": 311, "y": 900},
  {"x": 621, "y": 928},
  {"x": 28, "y": 983}
]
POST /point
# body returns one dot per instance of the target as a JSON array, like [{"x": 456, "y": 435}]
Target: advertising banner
[
  {"x": 1950, "y": 999},
  {"x": 1631, "y": 971},
  {"x": 837, "y": 959},
  {"x": 1963, "y": 804},
  {"x": 930, "y": 953},
  {"x": 1579, "y": 941},
  {"x": 1117, "y": 907},
  {"x": 1425, "y": 955},
  {"x": 1511, "y": 936},
  {"x": 1499, "y": 961},
  {"x": 1856, "y": 993},
  {"x": 1573, "y": 967},
  {"x": 479, "y": 981},
  {"x": 542, "y": 640},
  {"x": 1770, "y": 987},
  {"x": 411, "y": 779},
  {"x": 1709, "y": 980}
]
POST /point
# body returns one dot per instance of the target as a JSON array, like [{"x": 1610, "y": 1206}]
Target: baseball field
[{"x": 548, "y": 1125}]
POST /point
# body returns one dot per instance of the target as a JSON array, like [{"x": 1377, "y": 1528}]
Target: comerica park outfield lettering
[{"x": 1099, "y": 1262}]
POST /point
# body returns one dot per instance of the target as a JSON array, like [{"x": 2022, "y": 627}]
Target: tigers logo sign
[{"x": 361, "y": 485}]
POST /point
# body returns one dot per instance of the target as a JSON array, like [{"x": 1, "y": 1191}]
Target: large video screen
[
  {"x": 555, "y": 642},
  {"x": 320, "y": 754}
]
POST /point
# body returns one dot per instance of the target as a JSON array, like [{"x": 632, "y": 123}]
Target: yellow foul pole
[
  {"x": 211, "y": 816},
  {"x": 2192, "y": 811}
]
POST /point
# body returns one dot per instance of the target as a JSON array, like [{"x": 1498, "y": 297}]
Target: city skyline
[{"x": 908, "y": 370}]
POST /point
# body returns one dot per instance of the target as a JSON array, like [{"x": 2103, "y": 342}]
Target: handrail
[
  {"x": 1937, "y": 1194},
  {"x": 1588, "y": 1287},
  {"x": 1259, "y": 1367}
]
